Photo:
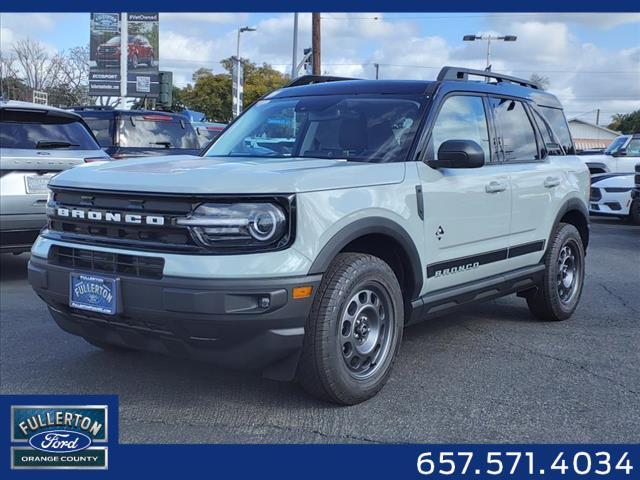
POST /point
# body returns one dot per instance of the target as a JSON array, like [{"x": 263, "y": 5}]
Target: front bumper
[
  {"x": 217, "y": 320},
  {"x": 18, "y": 232}
]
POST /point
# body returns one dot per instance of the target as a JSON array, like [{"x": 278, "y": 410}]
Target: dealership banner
[
  {"x": 76, "y": 436},
  {"x": 142, "y": 54}
]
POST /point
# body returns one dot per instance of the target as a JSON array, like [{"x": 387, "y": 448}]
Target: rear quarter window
[
  {"x": 38, "y": 130},
  {"x": 558, "y": 122}
]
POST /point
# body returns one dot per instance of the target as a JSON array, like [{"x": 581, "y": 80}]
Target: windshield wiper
[
  {"x": 165, "y": 144},
  {"x": 55, "y": 144}
]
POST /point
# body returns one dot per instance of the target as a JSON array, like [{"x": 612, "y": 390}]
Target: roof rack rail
[
  {"x": 458, "y": 73},
  {"x": 310, "y": 79}
]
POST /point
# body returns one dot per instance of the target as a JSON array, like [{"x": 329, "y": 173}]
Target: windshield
[
  {"x": 366, "y": 129},
  {"x": 157, "y": 131},
  {"x": 616, "y": 145}
]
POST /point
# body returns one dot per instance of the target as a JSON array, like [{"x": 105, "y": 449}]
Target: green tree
[
  {"x": 626, "y": 122},
  {"x": 210, "y": 94},
  {"x": 258, "y": 79}
]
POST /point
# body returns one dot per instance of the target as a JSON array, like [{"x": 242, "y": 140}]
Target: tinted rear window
[
  {"x": 29, "y": 131},
  {"x": 102, "y": 128},
  {"x": 142, "y": 132}
]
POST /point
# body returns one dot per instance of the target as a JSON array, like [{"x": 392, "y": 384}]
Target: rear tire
[
  {"x": 353, "y": 332},
  {"x": 557, "y": 296}
]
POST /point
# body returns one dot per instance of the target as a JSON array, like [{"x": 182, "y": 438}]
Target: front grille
[
  {"x": 113, "y": 263},
  {"x": 168, "y": 237},
  {"x": 146, "y": 235},
  {"x": 615, "y": 206},
  {"x": 595, "y": 194},
  {"x": 617, "y": 189}
]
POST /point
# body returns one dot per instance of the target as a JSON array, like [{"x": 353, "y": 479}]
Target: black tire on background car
[
  {"x": 353, "y": 332},
  {"x": 634, "y": 212},
  {"x": 558, "y": 294},
  {"x": 108, "y": 347}
]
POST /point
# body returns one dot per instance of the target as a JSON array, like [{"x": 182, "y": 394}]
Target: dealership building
[{"x": 588, "y": 135}]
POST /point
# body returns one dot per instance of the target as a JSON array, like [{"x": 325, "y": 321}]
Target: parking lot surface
[{"x": 490, "y": 374}]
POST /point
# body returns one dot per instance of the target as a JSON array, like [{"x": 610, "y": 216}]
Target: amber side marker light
[{"x": 301, "y": 292}]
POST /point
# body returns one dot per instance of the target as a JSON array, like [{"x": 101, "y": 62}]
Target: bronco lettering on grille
[{"x": 109, "y": 217}]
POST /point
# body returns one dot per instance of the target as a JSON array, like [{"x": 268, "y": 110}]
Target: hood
[
  {"x": 619, "y": 180},
  {"x": 186, "y": 174}
]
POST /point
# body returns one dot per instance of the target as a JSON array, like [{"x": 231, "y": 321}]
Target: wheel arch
[
  {"x": 383, "y": 238},
  {"x": 575, "y": 212}
]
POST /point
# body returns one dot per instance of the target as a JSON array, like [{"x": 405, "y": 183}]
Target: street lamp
[
  {"x": 237, "y": 80},
  {"x": 488, "y": 38}
]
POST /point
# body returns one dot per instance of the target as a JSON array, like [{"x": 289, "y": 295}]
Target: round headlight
[{"x": 238, "y": 224}]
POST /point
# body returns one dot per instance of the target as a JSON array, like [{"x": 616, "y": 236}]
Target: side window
[
  {"x": 460, "y": 118},
  {"x": 514, "y": 127},
  {"x": 560, "y": 128},
  {"x": 633, "y": 149}
]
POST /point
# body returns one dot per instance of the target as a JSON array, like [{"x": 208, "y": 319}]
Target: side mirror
[{"x": 459, "y": 154}]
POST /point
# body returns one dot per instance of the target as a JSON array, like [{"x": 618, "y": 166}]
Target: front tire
[
  {"x": 557, "y": 296},
  {"x": 353, "y": 332}
]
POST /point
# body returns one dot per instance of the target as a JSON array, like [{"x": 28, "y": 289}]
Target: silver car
[{"x": 36, "y": 142}]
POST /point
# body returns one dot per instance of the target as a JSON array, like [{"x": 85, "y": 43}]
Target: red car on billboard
[{"x": 140, "y": 52}]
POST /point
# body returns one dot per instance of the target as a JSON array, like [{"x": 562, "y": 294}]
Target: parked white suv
[
  {"x": 36, "y": 142},
  {"x": 320, "y": 223},
  {"x": 621, "y": 156}
]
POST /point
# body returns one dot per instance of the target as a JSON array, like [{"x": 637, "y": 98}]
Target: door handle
[
  {"x": 551, "y": 182},
  {"x": 495, "y": 187}
]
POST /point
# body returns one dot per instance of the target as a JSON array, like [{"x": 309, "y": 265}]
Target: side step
[{"x": 447, "y": 300}]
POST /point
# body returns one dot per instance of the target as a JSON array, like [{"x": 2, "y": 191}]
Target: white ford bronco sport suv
[{"x": 325, "y": 219}]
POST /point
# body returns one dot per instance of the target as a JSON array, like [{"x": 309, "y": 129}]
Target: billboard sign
[{"x": 142, "y": 54}]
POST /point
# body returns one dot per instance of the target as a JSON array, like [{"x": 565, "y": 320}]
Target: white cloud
[{"x": 214, "y": 18}]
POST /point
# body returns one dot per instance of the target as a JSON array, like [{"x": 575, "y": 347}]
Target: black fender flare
[
  {"x": 573, "y": 204},
  {"x": 368, "y": 226}
]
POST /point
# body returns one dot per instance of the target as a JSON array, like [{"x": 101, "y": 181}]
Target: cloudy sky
[{"x": 591, "y": 60}]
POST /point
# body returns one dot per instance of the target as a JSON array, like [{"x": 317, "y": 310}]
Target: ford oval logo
[{"x": 60, "y": 441}]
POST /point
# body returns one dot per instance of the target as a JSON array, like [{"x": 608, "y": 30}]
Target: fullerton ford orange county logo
[{"x": 69, "y": 437}]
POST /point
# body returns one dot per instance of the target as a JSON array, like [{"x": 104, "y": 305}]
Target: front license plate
[
  {"x": 37, "y": 183},
  {"x": 93, "y": 293}
]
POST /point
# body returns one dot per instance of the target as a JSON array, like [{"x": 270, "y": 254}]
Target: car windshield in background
[
  {"x": 616, "y": 145},
  {"x": 45, "y": 136},
  {"x": 365, "y": 129},
  {"x": 157, "y": 131}
]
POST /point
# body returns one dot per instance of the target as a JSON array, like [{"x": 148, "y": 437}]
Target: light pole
[
  {"x": 294, "y": 57},
  {"x": 237, "y": 83},
  {"x": 488, "y": 38}
]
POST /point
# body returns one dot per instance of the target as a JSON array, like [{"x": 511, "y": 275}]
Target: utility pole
[
  {"x": 294, "y": 57},
  {"x": 377, "y": 65},
  {"x": 124, "y": 57},
  {"x": 315, "y": 43},
  {"x": 598, "y": 117}
]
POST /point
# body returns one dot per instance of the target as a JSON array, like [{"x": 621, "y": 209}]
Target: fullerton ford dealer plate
[
  {"x": 93, "y": 293},
  {"x": 37, "y": 183}
]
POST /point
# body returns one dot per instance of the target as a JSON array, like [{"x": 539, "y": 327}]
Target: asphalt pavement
[{"x": 489, "y": 374}]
